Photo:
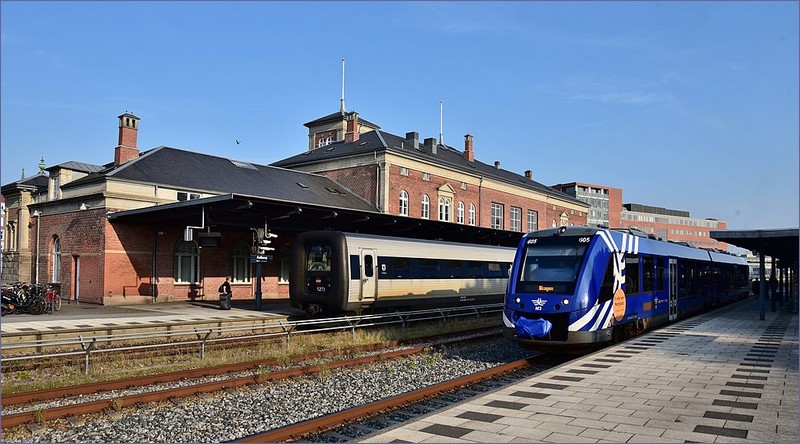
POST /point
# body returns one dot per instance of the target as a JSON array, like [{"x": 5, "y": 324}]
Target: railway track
[
  {"x": 324, "y": 423},
  {"x": 398, "y": 360},
  {"x": 256, "y": 374}
]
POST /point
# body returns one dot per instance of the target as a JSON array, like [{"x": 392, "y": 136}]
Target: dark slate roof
[
  {"x": 337, "y": 117},
  {"x": 79, "y": 166},
  {"x": 446, "y": 155},
  {"x": 193, "y": 171},
  {"x": 39, "y": 181}
]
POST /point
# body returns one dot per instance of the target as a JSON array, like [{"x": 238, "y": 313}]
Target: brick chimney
[
  {"x": 128, "y": 130},
  {"x": 352, "y": 127},
  {"x": 412, "y": 138},
  {"x": 529, "y": 174},
  {"x": 469, "y": 153}
]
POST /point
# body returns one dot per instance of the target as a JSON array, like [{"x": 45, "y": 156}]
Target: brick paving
[{"x": 724, "y": 376}]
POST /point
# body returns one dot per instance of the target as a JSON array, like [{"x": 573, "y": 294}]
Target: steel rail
[
  {"x": 320, "y": 424},
  {"x": 182, "y": 392},
  {"x": 280, "y": 328}
]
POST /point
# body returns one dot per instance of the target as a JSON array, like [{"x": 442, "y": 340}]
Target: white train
[{"x": 334, "y": 272}]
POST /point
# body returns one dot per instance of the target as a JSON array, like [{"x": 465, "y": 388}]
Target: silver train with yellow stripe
[
  {"x": 573, "y": 287},
  {"x": 334, "y": 272}
]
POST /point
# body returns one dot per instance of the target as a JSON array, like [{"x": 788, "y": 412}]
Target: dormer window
[{"x": 185, "y": 195}]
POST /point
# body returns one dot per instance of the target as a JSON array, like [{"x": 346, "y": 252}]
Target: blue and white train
[
  {"x": 575, "y": 287},
  {"x": 334, "y": 272}
]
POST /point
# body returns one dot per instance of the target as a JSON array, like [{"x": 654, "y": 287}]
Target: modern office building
[{"x": 605, "y": 203}]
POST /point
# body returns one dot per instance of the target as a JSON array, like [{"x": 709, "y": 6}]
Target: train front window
[
  {"x": 552, "y": 264},
  {"x": 319, "y": 258}
]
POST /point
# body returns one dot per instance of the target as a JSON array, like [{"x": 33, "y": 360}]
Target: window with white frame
[
  {"x": 472, "y": 214},
  {"x": 56, "y": 260},
  {"x": 403, "y": 171},
  {"x": 240, "y": 256},
  {"x": 187, "y": 263},
  {"x": 286, "y": 262},
  {"x": 444, "y": 209},
  {"x": 533, "y": 220},
  {"x": 426, "y": 176},
  {"x": 516, "y": 219},
  {"x": 403, "y": 203},
  {"x": 497, "y": 216},
  {"x": 461, "y": 212},
  {"x": 426, "y": 206}
]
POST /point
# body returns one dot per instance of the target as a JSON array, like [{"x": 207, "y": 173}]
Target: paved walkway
[
  {"x": 86, "y": 317},
  {"x": 720, "y": 377}
]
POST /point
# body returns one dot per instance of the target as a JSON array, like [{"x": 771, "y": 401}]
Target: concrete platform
[
  {"x": 89, "y": 319},
  {"x": 719, "y": 377}
]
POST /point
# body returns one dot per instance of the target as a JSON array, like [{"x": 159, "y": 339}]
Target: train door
[
  {"x": 673, "y": 289},
  {"x": 369, "y": 282}
]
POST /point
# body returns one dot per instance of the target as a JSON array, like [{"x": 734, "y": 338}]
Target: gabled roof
[
  {"x": 78, "y": 166},
  {"x": 446, "y": 155},
  {"x": 37, "y": 182},
  {"x": 337, "y": 117},
  {"x": 175, "y": 168}
]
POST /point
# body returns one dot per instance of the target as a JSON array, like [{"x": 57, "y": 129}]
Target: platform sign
[{"x": 260, "y": 258}]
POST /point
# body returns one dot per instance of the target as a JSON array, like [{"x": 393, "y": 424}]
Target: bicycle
[{"x": 52, "y": 298}]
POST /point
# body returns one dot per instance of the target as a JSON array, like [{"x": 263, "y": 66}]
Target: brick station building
[{"x": 170, "y": 224}]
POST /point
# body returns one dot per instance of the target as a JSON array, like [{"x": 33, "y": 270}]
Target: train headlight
[
  {"x": 517, "y": 300},
  {"x": 565, "y": 301}
]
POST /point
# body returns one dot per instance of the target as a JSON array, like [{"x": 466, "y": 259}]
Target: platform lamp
[{"x": 37, "y": 214}]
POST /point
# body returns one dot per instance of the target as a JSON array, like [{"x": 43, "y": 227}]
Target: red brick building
[{"x": 169, "y": 224}]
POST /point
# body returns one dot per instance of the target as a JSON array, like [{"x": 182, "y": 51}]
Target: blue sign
[{"x": 261, "y": 258}]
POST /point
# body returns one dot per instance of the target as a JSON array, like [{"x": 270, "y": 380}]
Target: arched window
[
  {"x": 461, "y": 212},
  {"x": 56, "y": 260},
  {"x": 403, "y": 203},
  {"x": 187, "y": 263},
  {"x": 240, "y": 255},
  {"x": 426, "y": 206},
  {"x": 444, "y": 209},
  {"x": 554, "y": 223},
  {"x": 472, "y": 214}
]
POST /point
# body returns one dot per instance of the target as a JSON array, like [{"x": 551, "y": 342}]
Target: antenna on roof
[
  {"x": 441, "y": 111},
  {"x": 341, "y": 102}
]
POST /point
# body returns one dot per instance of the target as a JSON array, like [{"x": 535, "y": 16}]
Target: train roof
[{"x": 648, "y": 244}]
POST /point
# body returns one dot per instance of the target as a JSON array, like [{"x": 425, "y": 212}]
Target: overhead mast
[
  {"x": 341, "y": 102},
  {"x": 441, "y": 111}
]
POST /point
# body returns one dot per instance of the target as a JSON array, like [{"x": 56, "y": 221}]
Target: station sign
[{"x": 261, "y": 258}]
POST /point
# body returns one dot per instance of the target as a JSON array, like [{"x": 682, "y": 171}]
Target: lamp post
[{"x": 37, "y": 214}]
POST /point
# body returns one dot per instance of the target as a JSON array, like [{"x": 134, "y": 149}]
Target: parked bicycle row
[{"x": 22, "y": 297}]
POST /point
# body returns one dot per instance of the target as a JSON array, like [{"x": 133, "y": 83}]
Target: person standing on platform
[{"x": 225, "y": 294}]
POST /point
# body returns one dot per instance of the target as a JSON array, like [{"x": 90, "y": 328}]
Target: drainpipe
[
  {"x": 480, "y": 198},
  {"x": 38, "y": 215}
]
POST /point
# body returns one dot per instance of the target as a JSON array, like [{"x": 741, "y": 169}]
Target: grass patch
[{"x": 112, "y": 366}]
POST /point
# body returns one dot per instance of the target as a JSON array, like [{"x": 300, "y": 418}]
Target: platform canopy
[{"x": 781, "y": 244}]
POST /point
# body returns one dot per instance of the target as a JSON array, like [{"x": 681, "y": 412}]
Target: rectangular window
[
  {"x": 631, "y": 274},
  {"x": 426, "y": 176},
  {"x": 660, "y": 274},
  {"x": 497, "y": 216},
  {"x": 241, "y": 269},
  {"x": 516, "y": 219},
  {"x": 648, "y": 277},
  {"x": 403, "y": 171},
  {"x": 533, "y": 220},
  {"x": 463, "y": 185}
]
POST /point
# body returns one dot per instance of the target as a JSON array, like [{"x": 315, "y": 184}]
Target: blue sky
[{"x": 685, "y": 105}]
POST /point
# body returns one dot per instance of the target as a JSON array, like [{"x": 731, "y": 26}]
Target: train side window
[
  {"x": 660, "y": 274},
  {"x": 399, "y": 268},
  {"x": 355, "y": 272},
  {"x": 474, "y": 269},
  {"x": 495, "y": 270},
  {"x": 369, "y": 267},
  {"x": 648, "y": 269},
  {"x": 452, "y": 269},
  {"x": 428, "y": 268},
  {"x": 631, "y": 274},
  {"x": 607, "y": 286}
]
